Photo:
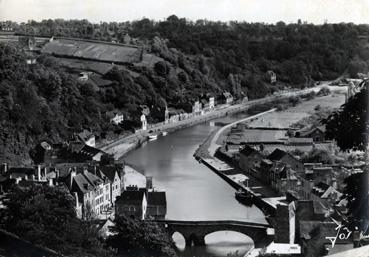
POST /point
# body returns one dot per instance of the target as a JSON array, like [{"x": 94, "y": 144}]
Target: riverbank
[
  {"x": 122, "y": 146},
  {"x": 265, "y": 198}
]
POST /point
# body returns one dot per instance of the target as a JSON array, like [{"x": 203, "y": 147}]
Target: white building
[{"x": 115, "y": 117}]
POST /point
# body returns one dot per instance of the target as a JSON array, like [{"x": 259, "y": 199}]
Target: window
[{"x": 107, "y": 187}]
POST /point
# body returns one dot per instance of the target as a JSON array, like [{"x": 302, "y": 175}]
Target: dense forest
[{"x": 46, "y": 100}]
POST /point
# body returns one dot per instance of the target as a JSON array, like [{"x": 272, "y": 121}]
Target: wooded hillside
[{"x": 46, "y": 100}]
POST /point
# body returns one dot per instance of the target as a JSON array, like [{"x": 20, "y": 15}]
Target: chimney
[
  {"x": 149, "y": 182},
  {"x": 76, "y": 198},
  {"x": 85, "y": 171},
  {"x": 45, "y": 172},
  {"x": 51, "y": 182},
  {"x": 33, "y": 177},
  {"x": 39, "y": 172},
  {"x": 4, "y": 168},
  {"x": 26, "y": 177},
  {"x": 72, "y": 175},
  {"x": 334, "y": 183}
]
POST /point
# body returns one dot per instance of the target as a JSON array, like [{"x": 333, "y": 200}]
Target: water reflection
[{"x": 217, "y": 244}]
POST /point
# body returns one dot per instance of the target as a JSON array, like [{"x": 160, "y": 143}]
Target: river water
[{"x": 194, "y": 192}]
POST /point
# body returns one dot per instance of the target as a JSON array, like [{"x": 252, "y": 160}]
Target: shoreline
[
  {"x": 206, "y": 153},
  {"x": 122, "y": 146}
]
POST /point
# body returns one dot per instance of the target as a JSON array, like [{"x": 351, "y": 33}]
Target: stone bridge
[{"x": 194, "y": 232}]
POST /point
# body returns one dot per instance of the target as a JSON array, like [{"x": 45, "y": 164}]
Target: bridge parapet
[{"x": 194, "y": 232}]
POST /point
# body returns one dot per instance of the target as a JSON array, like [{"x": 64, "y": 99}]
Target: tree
[
  {"x": 46, "y": 216},
  {"x": 349, "y": 125},
  {"x": 318, "y": 156},
  {"x": 356, "y": 193},
  {"x": 140, "y": 238}
]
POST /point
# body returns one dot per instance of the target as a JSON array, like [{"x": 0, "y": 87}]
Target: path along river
[{"x": 194, "y": 192}]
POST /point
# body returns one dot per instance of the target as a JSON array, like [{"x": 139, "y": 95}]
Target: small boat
[
  {"x": 153, "y": 137},
  {"x": 164, "y": 133},
  {"x": 244, "y": 197}
]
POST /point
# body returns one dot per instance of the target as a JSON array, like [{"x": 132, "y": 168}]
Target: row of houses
[
  {"x": 285, "y": 172},
  {"x": 96, "y": 185},
  {"x": 98, "y": 190}
]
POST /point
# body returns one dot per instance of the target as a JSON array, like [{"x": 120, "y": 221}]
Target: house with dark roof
[
  {"x": 91, "y": 192},
  {"x": 325, "y": 194},
  {"x": 317, "y": 133},
  {"x": 315, "y": 173},
  {"x": 225, "y": 98},
  {"x": 285, "y": 157},
  {"x": 22, "y": 173},
  {"x": 156, "y": 205},
  {"x": 79, "y": 151},
  {"x": 131, "y": 203},
  {"x": 250, "y": 160},
  {"x": 87, "y": 137}
]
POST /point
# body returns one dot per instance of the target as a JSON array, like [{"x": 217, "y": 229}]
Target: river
[{"x": 194, "y": 192}]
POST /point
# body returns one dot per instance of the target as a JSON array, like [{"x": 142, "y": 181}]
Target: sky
[{"x": 268, "y": 11}]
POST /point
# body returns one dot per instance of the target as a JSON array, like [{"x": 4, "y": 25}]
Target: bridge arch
[
  {"x": 195, "y": 232},
  {"x": 179, "y": 239},
  {"x": 230, "y": 237},
  {"x": 190, "y": 238}
]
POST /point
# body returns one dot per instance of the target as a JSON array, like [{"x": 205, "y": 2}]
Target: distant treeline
[{"x": 297, "y": 52}]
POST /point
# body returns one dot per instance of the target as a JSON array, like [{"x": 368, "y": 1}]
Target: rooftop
[
  {"x": 277, "y": 154},
  {"x": 248, "y": 150},
  {"x": 131, "y": 197},
  {"x": 81, "y": 184},
  {"x": 156, "y": 198},
  {"x": 85, "y": 135},
  {"x": 300, "y": 140}
]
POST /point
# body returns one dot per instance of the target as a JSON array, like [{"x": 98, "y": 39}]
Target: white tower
[{"x": 144, "y": 122}]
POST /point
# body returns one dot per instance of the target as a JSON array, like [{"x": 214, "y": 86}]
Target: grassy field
[
  {"x": 92, "y": 50},
  {"x": 286, "y": 118}
]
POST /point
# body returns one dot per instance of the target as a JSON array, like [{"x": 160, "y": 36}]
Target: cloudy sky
[{"x": 269, "y": 11}]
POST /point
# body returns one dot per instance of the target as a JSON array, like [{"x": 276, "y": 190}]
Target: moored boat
[
  {"x": 244, "y": 197},
  {"x": 153, "y": 137},
  {"x": 164, "y": 133}
]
